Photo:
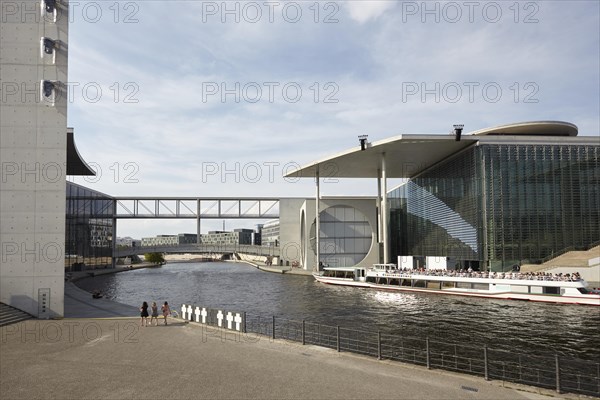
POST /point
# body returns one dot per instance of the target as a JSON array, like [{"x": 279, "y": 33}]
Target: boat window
[
  {"x": 583, "y": 290},
  {"x": 481, "y": 286},
  {"x": 551, "y": 290}
]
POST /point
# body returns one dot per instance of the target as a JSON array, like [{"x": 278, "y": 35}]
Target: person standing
[
  {"x": 144, "y": 314},
  {"x": 154, "y": 316},
  {"x": 165, "y": 311}
]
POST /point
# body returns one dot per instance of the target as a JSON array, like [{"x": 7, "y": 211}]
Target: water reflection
[
  {"x": 513, "y": 325},
  {"x": 406, "y": 300}
]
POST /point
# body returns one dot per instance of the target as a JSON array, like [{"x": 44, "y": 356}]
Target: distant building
[
  {"x": 270, "y": 233},
  {"x": 128, "y": 242},
  {"x": 257, "y": 235},
  {"x": 170, "y": 240},
  {"x": 238, "y": 236}
]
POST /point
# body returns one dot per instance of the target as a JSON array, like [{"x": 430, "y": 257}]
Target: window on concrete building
[{"x": 346, "y": 236}]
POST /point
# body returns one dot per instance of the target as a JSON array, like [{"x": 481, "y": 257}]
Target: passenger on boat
[{"x": 539, "y": 276}]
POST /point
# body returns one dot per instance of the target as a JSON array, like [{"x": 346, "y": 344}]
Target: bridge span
[
  {"x": 200, "y": 248},
  {"x": 198, "y": 208}
]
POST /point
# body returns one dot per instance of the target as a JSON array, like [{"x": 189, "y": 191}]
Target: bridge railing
[
  {"x": 195, "y": 208},
  {"x": 200, "y": 248}
]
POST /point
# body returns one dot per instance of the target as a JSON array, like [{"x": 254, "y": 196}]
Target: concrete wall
[
  {"x": 289, "y": 230},
  {"x": 33, "y": 154},
  {"x": 295, "y": 234},
  {"x": 256, "y": 259}
]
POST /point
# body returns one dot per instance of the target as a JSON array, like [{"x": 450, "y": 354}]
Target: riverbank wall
[
  {"x": 275, "y": 268},
  {"x": 77, "y": 275}
]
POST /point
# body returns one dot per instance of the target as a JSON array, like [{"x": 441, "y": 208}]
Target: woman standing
[
  {"x": 144, "y": 313},
  {"x": 165, "y": 311},
  {"x": 154, "y": 316}
]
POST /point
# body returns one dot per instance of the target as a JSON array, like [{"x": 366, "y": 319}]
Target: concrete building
[
  {"x": 491, "y": 200},
  {"x": 33, "y": 121},
  {"x": 348, "y": 229}
]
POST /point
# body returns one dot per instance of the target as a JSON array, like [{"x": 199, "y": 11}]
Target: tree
[{"x": 155, "y": 258}]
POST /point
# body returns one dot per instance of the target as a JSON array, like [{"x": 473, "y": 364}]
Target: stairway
[
  {"x": 571, "y": 259},
  {"x": 10, "y": 315},
  {"x": 575, "y": 258}
]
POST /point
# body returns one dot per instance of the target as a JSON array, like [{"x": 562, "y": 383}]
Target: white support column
[
  {"x": 379, "y": 210},
  {"x": 114, "y": 238},
  {"x": 317, "y": 220},
  {"x": 384, "y": 211},
  {"x": 198, "y": 226}
]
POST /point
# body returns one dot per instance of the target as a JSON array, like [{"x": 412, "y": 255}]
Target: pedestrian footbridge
[{"x": 200, "y": 249}]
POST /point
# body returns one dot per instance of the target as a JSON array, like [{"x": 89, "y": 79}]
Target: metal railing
[
  {"x": 551, "y": 371},
  {"x": 200, "y": 248}
]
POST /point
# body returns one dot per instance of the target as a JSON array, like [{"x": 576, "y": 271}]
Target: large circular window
[{"x": 345, "y": 238}]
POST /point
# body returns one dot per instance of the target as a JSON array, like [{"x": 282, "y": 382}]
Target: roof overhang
[
  {"x": 76, "y": 165},
  {"x": 405, "y": 155},
  {"x": 536, "y": 128},
  {"x": 408, "y": 155}
]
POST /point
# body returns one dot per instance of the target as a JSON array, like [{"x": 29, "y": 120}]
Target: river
[{"x": 518, "y": 326}]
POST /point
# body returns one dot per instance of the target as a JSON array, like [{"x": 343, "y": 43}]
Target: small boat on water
[{"x": 568, "y": 289}]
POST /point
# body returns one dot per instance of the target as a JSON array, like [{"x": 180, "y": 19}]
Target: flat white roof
[
  {"x": 536, "y": 128},
  {"x": 409, "y": 155},
  {"x": 406, "y": 156}
]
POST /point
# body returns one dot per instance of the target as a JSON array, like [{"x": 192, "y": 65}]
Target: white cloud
[
  {"x": 363, "y": 11},
  {"x": 172, "y": 132}
]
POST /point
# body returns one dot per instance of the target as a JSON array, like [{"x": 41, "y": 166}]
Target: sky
[{"x": 221, "y": 99}]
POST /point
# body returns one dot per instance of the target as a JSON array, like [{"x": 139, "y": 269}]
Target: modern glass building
[
  {"x": 500, "y": 205},
  {"x": 90, "y": 230},
  {"x": 493, "y": 199}
]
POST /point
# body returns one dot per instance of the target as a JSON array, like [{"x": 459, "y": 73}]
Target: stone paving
[
  {"x": 118, "y": 359},
  {"x": 106, "y": 354}
]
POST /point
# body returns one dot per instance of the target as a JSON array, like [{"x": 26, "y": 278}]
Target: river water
[{"x": 517, "y": 326}]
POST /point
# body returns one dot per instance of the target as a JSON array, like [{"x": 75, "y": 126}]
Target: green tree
[{"x": 155, "y": 258}]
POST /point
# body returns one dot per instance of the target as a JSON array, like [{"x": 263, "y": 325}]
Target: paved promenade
[{"x": 115, "y": 358}]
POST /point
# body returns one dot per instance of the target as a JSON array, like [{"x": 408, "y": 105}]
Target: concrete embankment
[
  {"x": 276, "y": 269},
  {"x": 77, "y": 275}
]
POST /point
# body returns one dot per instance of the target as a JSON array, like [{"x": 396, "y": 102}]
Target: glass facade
[
  {"x": 494, "y": 206},
  {"x": 89, "y": 229},
  {"x": 345, "y": 236}
]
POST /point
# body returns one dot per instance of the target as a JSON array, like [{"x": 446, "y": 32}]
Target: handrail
[
  {"x": 513, "y": 276},
  {"x": 564, "y": 374}
]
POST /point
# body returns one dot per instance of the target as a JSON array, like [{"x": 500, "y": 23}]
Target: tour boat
[{"x": 569, "y": 289}]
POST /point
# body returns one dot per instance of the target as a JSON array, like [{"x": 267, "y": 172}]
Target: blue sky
[{"x": 190, "y": 86}]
